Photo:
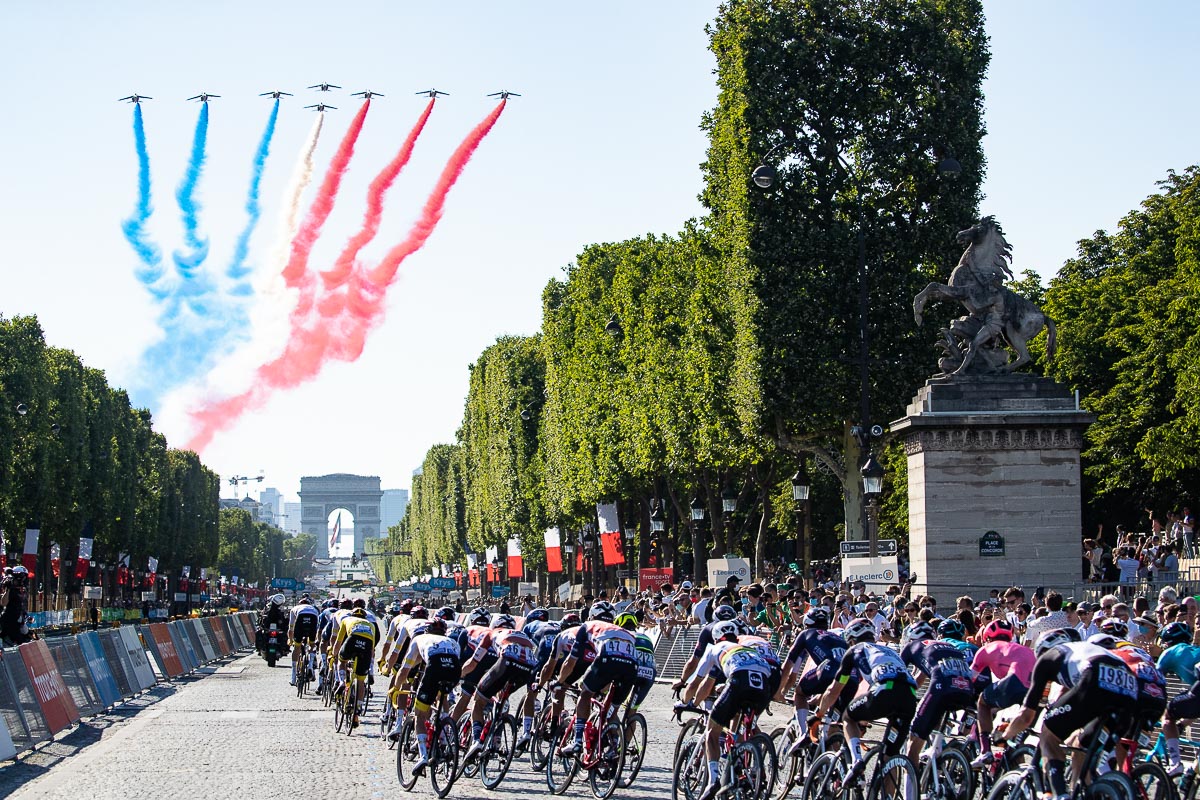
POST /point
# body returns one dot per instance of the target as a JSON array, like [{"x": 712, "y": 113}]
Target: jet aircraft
[
  {"x": 135, "y": 98},
  {"x": 433, "y": 93},
  {"x": 322, "y": 107},
  {"x": 324, "y": 87},
  {"x": 275, "y": 93},
  {"x": 203, "y": 97},
  {"x": 367, "y": 95},
  {"x": 504, "y": 94}
]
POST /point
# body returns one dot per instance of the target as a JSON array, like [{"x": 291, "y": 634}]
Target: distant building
[
  {"x": 391, "y": 509},
  {"x": 272, "y": 497},
  {"x": 291, "y": 518}
]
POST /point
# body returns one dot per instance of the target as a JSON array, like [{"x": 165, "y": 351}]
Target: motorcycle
[{"x": 273, "y": 645}]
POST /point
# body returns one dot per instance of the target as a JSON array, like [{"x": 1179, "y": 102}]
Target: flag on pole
[
  {"x": 3, "y": 550},
  {"x": 29, "y": 557},
  {"x": 336, "y": 536},
  {"x": 85, "y": 553},
  {"x": 553, "y": 550},
  {"x": 152, "y": 568},
  {"x": 610, "y": 543},
  {"x": 122, "y": 568},
  {"x": 606, "y": 513},
  {"x": 55, "y": 561},
  {"x": 472, "y": 561},
  {"x": 516, "y": 566},
  {"x": 492, "y": 554}
]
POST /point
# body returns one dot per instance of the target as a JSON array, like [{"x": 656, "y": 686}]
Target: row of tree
[{"x": 701, "y": 369}]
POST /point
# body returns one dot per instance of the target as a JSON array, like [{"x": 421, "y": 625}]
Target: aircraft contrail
[
  {"x": 134, "y": 227},
  {"x": 310, "y": 347},
  {"x": 188, "y": 262},
  {"x": 302, "y": 175},
  {"x": 237, "y": 267}
]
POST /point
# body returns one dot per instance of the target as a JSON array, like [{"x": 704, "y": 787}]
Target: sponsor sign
[
  {"x": 149, "y": 596},
  {"x": 564, "y": 592},
  {"x": 137, "y": 656},
  {"x": 991, "y": 545},
  {"x": 181, "y": 597},
  {"x": 500, "y": 591},
  {"x": 652, "y": 578},
  {"x": 527, "y": 588},
  {"x": 102, "y": 675},
  {"x": 58, "y": 707},
  {"x": 283, "y": 583},
  {"x": 442, "y": 583},
  {"x": 166, "y": 649},
  {"x": 862, "y": 548},
  {"x": 421, "y": 587},
  {"x": 877, "y": 573},
  {"x": 93, "y": 593},
  {"x": 719, "y": 570}
]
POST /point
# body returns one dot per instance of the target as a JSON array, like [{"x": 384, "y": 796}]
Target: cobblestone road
[{"x": 242, "y": 732}]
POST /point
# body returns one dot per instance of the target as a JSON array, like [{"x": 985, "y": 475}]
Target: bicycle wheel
[
  {"x": 686, "y": 731},
  {"x": 443, "y": 757},
  {"x": 350, "y": 714},
  {"x": 744, "y": 777},
  {"x": 790, "y": 766},
  {"x": 407, "y": 755},
  {"x": 954, "y": 776},
  {"x": 635, "y": 749},
  {"x": 1110, "y": 786},
  {"x": 561, "y": 770},
  {"x": 691, "y": 772},
  {"x": 770, "y": 764},
  {"x": 545, "y": 733},
  {"x": 895, "y": 778},
  {"x": 497, "y": 753},
  {"x": 605, "y": 775},
  {"x": 338, "y": 711},
  {"x": 386, "y": 720},
  {"x": 466, "y": 738},
  {"x": 824, "y": 778},
  {"x": 1151, "y": 782},
  {"x": 1017, "y": 784}
]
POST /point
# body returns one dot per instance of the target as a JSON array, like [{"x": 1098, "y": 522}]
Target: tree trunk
[
  {"x": 761, "y": 541},
  {"x": 852, "y": 489}
]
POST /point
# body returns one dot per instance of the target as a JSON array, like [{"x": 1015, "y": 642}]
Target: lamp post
[
  {"x": 630, "y": 532},
  {"x": 569, "y": 551},
  {"x": 872, "y": 478},
  {"x": 697, "y": 513},
  {"x": 800, "y": 492},
  {"x": 658, "y": 524}
]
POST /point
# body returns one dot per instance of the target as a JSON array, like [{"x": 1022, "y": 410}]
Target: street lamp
[
  {"x": 697, "y": 508},
  {"x": 613, "y": 327},
  {"x": 872, "y": 478},
  {"x": 729, "y": 500},
  {"x": 800, "y": 494}
]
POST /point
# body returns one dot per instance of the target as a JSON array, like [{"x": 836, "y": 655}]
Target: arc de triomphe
[{"x": 358, "y": 494}]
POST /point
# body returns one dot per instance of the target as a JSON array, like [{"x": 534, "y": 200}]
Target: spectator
[
  {"x": 1128, "y": 564},
  {"x": 1086, "y": 626},
  {"x": 1143, "y": 632},
  {"x": 1187, "y": 527},
  {"x": 1094, "y": 553},
  {"x": 1054, "y": 619},
  {"x": 1167, "y": 565},
  {"x": 871, "y": 612}
]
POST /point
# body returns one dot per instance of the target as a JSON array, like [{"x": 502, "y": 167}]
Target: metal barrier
[
  {"x": 183, "y": 646},
  {"x": 102, "y": 674},
  {"x": 188, "y": 627},
  {"x": 18, "y": 704},
  {"x": 73, "y": 668}
]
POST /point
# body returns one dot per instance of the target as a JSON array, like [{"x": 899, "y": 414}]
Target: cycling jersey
[
  {"x": 509, "y": 645},
  {"x": 609, "y": 640},
  {"x": 325, "y": 624},
  {"x": 819, "y": 645},
  {"x": 543, "y": 635},
  {"x": 950, "y": 687},
  {"x": 1152, "y": 687},
  {"x": 406, "y": 631},
  {"x": 1180, "y": 660},
  {"x": 302, "y": 622},
  {"x": 763, "y": 647},
  {"x": 968, "y": 650},
  {"x": 878, "y": 665},
  {"x": 890, "y": 689},
  {"x": 442, "y": 670},
  {"x": 725, "y": 658},
  {"x": 480, "y": 652},
  {"x": 357, "y": 636},
  {"x": 394, "y": 625},
  {"x": 1096, "y": 681},
  {"x": 1001, "y": 659}
]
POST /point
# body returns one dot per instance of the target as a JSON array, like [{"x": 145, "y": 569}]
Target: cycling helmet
[
  {"x": 394, "y": 608},
  {"x": 1174, "y": 633},
  {"x": 406, "y": 605},
  {"x": 276, "y": 600},
  {"x": 436, "y": 626},
  {"x": 724, "y": 612},
  {"x": 480, "y": 616},
  {"x": 604, "y": 611},
  {"x": 446, "y": 613},
  {"x": 346, "y": 605},
  {"x": 330, "y": 603},
  {"x": 998, "y": 630},
  {"x": 1113, "y": 626},
  {"x": 1103, "y": 640},
  {"x": 505, "y": 621},
  {"x": 952, "y": 629},
  {"x": 19, "y": 570},
  {"x": 420, "y": 612},
  {"x": 919, "y": 631},
  {"x": 359, "y": 612},
  {"x": 859, "y": 630},
  {"x": 304, "y": 598},
  {"x": 626, "y": 620},
  {"x": 537, "y": 615},
  {"x": 817, "y": 617},
  {"x": 725, "y": 630},
  {"x": 360, "y": 603},
  {"x": 570, "y": 621},
  {"x": 1054, "y": 638}
]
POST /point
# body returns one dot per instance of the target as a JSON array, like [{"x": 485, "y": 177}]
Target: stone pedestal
[{"x": 995, "y": 456}]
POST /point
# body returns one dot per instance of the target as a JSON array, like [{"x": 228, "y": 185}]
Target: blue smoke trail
[
  {"x": 237, "y": 268},
  {"x": 134, "y": 227},
  {"x": 188, "y": 262}
]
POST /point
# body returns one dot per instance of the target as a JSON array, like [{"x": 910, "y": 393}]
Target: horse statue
[{"x": 974, "y": 344}]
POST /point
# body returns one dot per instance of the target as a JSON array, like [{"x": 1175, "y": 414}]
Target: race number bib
[
  {"x": 618, "y": 648},
  {"x": 1117, "y": 680},
  {"x": 520, "y": 653}
]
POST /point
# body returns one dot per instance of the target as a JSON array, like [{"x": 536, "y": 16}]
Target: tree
[{"x": 863, "y": 100}]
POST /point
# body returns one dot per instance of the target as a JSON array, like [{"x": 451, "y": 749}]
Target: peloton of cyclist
[
  {"x": 556, "y": 649},
  {"x": 824, "y": 648},
  {"x": 439, "y": 653},
  {"x": 1004, "y": 667},
  {"x": 745, "y": 674},
  {"x": 482, "y": 656},
  {"x": 355, "y": 643},
  {"x": 1179, "y": 657},
  {"x": 302, "y": 629},
  {"x": 515, "y": 665},
  {"x": 647, "y": 670},
  {"x": 614, "y": 664},
  {"x": 541, "y": 631},
  {"x": 1097, "y": 683},
  {"x": 1152, "y": 687}
]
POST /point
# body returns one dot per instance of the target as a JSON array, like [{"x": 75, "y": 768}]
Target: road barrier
[{"x": 46, "y": 686}]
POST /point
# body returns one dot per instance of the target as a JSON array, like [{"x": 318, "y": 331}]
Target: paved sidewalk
[{"x": 242, "y": 732}]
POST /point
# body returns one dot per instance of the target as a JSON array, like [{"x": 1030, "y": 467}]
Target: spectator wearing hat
[{"x": 1143, "y": 632}]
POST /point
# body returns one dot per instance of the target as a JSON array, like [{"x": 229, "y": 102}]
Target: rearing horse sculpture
[{"x": 996, "y": 314}]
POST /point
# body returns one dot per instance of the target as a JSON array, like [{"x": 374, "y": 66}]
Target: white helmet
[
  {"x": 1054, "y": 638},
  {"x": 277, "y": 599},
  {"x": 725, "y": 629},
  {"x": 919, "y": 631},
  {"x": 860, "y": 630},
  {"x": 603, "y": 610},
  {"x": 480, "y": 616}
]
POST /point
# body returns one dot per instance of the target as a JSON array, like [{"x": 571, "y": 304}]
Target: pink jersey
[{"x": 1005, "y": 658}]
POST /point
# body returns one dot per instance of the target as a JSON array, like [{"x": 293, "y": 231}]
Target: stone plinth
[{"x": 993, "y": 454}]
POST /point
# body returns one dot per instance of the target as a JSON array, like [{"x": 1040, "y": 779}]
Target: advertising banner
[
  {"x": 652, "y": 578},
  {"x": 719, "y": 570},
  {"x": 102, "y": 675},
  {"x": 58, "y": 707},
  {"x": 877, "y": 573},
  {"x": 166, "y": 649},
  {"x": 137, "y": 656}
]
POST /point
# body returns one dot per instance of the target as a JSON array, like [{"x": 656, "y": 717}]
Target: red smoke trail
[
  {"x": 322, "y": 339},
  {"x": 295, "y": 273}
]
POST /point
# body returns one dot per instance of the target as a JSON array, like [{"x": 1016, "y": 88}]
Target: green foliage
[{"x": 1129, "y": 339}]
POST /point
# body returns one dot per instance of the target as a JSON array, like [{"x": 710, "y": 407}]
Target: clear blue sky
[{"x": 1089, "y": 103}]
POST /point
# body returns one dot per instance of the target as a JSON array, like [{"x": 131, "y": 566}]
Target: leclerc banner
[{"x": 58, "y": 707}]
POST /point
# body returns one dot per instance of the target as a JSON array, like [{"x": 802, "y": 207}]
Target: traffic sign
[
  {"x": 421, "y": 587},
  {"x": 862, "y": 548}
]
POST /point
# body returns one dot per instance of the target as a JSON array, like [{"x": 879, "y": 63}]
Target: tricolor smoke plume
[
  {"x": 189, "y": 261},
  {"x": 322, "y": 339},
  {"x": 134, "y": 227},
  {"x": 237, "y": 266}
]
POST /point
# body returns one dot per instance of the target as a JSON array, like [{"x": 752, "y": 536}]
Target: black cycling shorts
[
  {"x": 744, "y": 689},
  {"x": 814, "y": 683},
  {"x": 1005, "y": 693},
  {"x": 1084, "y": 703},
  {"x": 441, "y": 675},
  {"x": 1151, "y": 703},
  {"x": 358, "y": 650},
  {"x": 641, "y": 688},
  {"x": 944, "y": 694},
  {"x": 469, "y": 682},
  {"x": 620, "y": 673},
  {"x": 506, "y": 672},
  {"x": 305, "y": 629},
  {"x": 1186, "y": 704},
  {"x": 894, "y": 701}
]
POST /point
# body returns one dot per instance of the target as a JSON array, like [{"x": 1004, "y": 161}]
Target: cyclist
[
  {"x": 551, "y": 654},
  {"x": 953, "y": 631},
  {"x": 647, "y": 670},
  {"x": 722, "y": 613},
  {"x": 890, "y": 692},
  {"x": 439, "y": 654},
  {"x": 1096, "y": 683},
  {"x": 355, "y": 642},
  {"x": 769, "y": 655},
  {"x": 403, "y": 633},
  {"x": 942, "y": 664},
  {"x": 1180, "y": 658},
  {"x": 1152, "y": 687},
  {"x": 745, "y": 673},
  {"x": 474, "y": 650},
  {"x": 824, "y": 649},
  {"x": 541, "y": 630},
  {"x": 398, "y": 619},
  {"x": 302, "y": 630},
  {"x": 614, "y": 664},
  {"x": 326, "y": 627},
  {"x": 1005, "y": 667},
  {"x": 515, "y": 665}
]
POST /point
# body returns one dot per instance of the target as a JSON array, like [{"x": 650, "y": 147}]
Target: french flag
[
  {"x": 553, "y": 550},
  {"x": 29, "y": 557},
  {"x": 336, "y": 536},
  {"x": 85, "y": 552},
  {"x": 515, "y": 565}
]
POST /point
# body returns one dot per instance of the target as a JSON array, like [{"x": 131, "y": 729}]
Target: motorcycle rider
[{"x": 271, "y": 615}]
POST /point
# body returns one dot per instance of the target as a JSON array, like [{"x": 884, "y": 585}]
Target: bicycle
[
  {"x": 443, "y": 753},
  {"x": 603, "y": 753},
  {"x": 394, "y": 704},
  {"x": 635, "y": 747},
  {"x": 893, "y": 777},
  {"x": 304, "y": 673},
  {"x": 794, "y": 768},
  {"x": 946, "y": 771},
  {"x": 499, "y": 737},
  {"x": 744, "y": 775},
  {"x": 546, "y": 730}
]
